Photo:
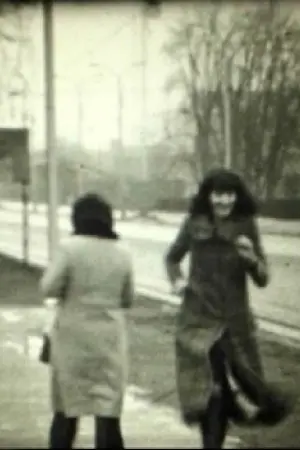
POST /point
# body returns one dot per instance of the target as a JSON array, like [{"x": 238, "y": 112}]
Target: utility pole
[
  {"x": 144, "y": 96},
  {"x": 272, "y": 6},
  {"x": 145, "y": 198},
  {"x": 80, "y": 118},
  {"x": 227, "y": 117},
  {"x": 50, "y": 128},
  {"x": 25, "y": 184},
  {"x": 149, "y": 9},
  {"x": 122, "y": 185},
  {"x": 120, "y": 139}
]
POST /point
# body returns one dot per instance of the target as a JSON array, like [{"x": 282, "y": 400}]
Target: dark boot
[
  {"x": 108, "y": 433},
  {"x": 214, "y": 424},
  {"x": 62, "y": 431}
]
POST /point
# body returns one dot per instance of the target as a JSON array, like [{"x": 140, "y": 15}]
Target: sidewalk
[
  {"x": 150, "y": 418},
  {"x": 24, "y": 382},
  {"x": 24, "y": 391}
]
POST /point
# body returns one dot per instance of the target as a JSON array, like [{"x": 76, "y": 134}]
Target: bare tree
[
  {"x": 197, "y": 46},
  {"x": 239, "y": 88},
  {"x": 14, "y": 43}
]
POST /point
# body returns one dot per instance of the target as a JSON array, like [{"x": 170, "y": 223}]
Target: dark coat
[{"x": 216, "y": 309}]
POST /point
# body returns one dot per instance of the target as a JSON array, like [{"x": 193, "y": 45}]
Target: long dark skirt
[
  {"x": 250, "y": 399},
  {"x": 249, "y": 402}
]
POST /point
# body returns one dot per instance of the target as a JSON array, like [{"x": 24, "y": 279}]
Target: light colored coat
[{"x": 92, "y": 278}]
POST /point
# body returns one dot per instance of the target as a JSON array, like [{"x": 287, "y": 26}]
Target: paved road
[
  {"x": 267, "y": 225},
  {"x": 150, "y": 232},
  {"x": 148, "y": 245}
]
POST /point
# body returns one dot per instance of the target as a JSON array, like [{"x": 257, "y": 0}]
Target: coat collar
[{"x": 203, "y": 228}]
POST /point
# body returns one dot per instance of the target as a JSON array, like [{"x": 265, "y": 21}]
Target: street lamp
[
  {"x": 225, "y": 86},
  {"x": 120, "y": 101},
  {"x": 79, "y": 86},
  {"x": 77, "y": 89},
  {"x": 150, "y": 10}
]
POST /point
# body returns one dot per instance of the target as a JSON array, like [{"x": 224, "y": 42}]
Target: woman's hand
[
  {"x": 50, "y": 314},
  {"x": 246, "y": 251},
  {"x": 179, "y": 287}
]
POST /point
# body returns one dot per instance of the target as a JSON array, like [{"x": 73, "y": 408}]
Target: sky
[{"x": 95, "y": 46}]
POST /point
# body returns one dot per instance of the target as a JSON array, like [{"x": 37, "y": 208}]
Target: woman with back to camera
[
  {"x": 92, "y": 278},
  {"x": 217, "y": 357}
]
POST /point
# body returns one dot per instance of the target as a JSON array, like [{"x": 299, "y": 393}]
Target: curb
[{"x": 273, "y": 330}]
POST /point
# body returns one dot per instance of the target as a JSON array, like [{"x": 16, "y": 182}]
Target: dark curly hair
[
  {"x": 92, "y": 216},
  {"x": 223, "y": 180}
]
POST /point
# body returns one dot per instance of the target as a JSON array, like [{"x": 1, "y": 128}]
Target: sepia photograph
[{"x": 149, "y": 224}]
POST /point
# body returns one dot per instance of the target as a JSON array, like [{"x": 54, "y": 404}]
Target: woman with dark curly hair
[
  {"x": 220, "y": 377},
  {"x": 91, "y": 277}
]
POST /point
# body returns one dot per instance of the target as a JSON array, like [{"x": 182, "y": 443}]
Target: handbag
[
  {"x": 46, "y": 349},
  {"x": 45, "y": 352}
]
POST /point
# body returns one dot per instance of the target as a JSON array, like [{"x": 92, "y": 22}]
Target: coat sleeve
[
  {"x": 54, "y": 279},
  {"x": 177, "y": 252},
  {"x": 260, "y": 271}
]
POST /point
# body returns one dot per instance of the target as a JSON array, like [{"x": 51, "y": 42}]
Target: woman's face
[{"x": 222, "y": 203}]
